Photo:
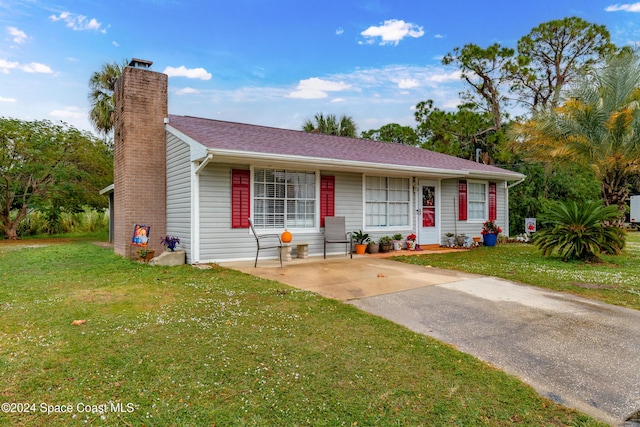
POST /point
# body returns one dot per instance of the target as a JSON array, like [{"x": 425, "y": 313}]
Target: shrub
[
  {"x": 577, "y": 231},
  {"x": 35, "y": 223}
]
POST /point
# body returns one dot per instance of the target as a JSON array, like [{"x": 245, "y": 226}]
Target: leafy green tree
[
  {"x": 464, "y": 133},
  {"x": 543, "y": 184},
  {"x": 484, "y": 70},
  {"x": 578, "y": 231},
  {"x": 51, "y": 166},
  {"x": 331, "y": 125},
  {"x": 101, "y": 86},
  {"x": 598, "y": 127},
  {"x": 393, "y": 132},
  {"x": 552, "y": 55}
]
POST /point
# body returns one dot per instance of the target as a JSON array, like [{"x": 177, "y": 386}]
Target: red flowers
[
  {"x": 411, "y": 237},
  {"x": 490, "y": 227}
]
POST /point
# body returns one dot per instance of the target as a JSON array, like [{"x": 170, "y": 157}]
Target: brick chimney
[{"x": 141, "y": 106}]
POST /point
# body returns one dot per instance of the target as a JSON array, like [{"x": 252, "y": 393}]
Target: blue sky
[{"x": 273, "y": 63}]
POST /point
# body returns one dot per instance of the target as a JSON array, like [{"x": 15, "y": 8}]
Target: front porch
[{"x": 342, "y": 278}]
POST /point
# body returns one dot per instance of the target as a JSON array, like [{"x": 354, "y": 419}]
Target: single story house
[{"x": 203, "y": 179}]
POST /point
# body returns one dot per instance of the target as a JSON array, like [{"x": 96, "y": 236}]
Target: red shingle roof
[{"x": 221, "y": 135}]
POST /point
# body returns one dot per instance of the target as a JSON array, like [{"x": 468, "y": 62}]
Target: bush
[
  {"x": 39, "y": 222},
  {"x": 35, "y": 223},
  {"x": 579, "y": 231}
]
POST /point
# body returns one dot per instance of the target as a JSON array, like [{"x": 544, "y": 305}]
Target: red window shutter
[
  {"x": 240, "y": 198},
  {"x": 493, "y": 205},
  {"x": 462, "y": 200},
  {"x": 327, "y": 197}
]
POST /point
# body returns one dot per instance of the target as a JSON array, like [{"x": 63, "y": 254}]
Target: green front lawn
[
  {"x": 187, "y": 347},
  {"x": 616, "y": 282}
]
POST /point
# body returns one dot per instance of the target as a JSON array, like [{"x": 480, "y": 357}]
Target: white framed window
[
  {"x": 387, "y": 202},
  {"x": 477, "y": 201},
  {"x": 284, "y": 199}
]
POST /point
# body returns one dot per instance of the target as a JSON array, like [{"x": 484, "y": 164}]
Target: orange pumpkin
[{"x": 286, "y": 237}]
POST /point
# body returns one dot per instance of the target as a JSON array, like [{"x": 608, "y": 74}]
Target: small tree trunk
[
  {"x": 11, "y": 226},
  {"x": 615, "y": 192}
]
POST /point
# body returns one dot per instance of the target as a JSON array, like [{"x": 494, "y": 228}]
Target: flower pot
[
  {"x": 490, "y": 239},
  {"x": 451, "y": 241},
  {"x": 460, "y": 240},
  {"x": 397, "y": 245},
  {"x": 386, "y": 247},
  {"x": 373, "y": 248},
  {"x": 146, "y": 254},
  {"x": 411, "y": 245},
  {"x": 360, "y": 248}
]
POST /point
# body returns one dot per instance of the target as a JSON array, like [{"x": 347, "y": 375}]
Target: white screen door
[{"x": 428, "y": 212}]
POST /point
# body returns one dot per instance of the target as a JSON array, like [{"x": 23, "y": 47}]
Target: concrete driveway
[{"x": 580, "y": 353}]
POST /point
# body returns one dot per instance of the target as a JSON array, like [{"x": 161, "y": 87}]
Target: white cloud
[
  {"x": 186, "y": 91},
  {"x": 78, "y": 22},
  {"x": 392, "y": 31},
  {"x": 3, "y": 99},
  {"x": 335, "y": 100},
  {"x": 408, "y": 83},
  {"x": 5, "y": 66},
  {"x": 628, "y": 7},
  {"x": 315, "y": 88},
  {"x": 438, "y": 36},
  {"x": 339, "y": 31},
  {"x": 19, "y": 36},
  {"x": 193, "y": 73},
  {"x": 36, "y": 67},
  {"x": 446, "y": 77},
  {"x": 33, "y": 67},
  {"x": 68, "y": 114}
]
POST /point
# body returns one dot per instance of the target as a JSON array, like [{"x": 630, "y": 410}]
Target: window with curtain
[
  {"x": 284, "y": 199},
  {"x": 477, "y": 200},
  {"x": 387, "y": 201}
]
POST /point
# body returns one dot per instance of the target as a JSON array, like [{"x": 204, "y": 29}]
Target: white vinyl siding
[
  {"x": 179, "y": 193},
  {"x": 387, "y": 202},
  {"x": 215, "y": 212}
]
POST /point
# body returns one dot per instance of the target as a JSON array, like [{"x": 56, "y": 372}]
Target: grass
[
  {"x": 182, "y": 346},
  {"x": 614, "y": 282}
]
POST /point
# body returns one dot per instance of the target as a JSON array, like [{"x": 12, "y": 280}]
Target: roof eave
[{"x": 235, "y": 156}]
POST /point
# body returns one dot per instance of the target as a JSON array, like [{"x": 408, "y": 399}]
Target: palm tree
[
  {"x": 598, "y": 126},
  {"x": 578, "y": 231},
  {"x": 101, "y": 85},
  {"x": 331, "y": 125}
]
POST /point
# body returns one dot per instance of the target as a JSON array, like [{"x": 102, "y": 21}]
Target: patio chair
[
  {"x": 335, "y": 232},
  {"x": 266, "y": 241}
]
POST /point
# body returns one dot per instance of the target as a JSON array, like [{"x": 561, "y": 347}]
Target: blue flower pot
[{"x": 490, "y": 239}]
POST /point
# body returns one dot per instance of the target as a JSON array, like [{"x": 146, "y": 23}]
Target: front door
[{"x": 428, "y": 214}]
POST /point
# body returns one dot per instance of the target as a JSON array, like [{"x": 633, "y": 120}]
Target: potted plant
[
  {"x": 170, "y": 242},
  {"x": 385, "y": 244},
  {"x": 490, "y": 231},
  {"x": 361, "y": 240},
  {"x": 373, "y": 247},
  {"x": 451, "y": 239},
  {"x": 460, "y": 239},
  {"x": 397, "y": 241},
  {"x": 145, "y": 254},
  {"x": 411, "y": 242}
]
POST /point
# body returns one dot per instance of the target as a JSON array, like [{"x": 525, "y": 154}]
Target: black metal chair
[
  {"x": 335, "y": 232},
  {"x": 266, "y": 241}
]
